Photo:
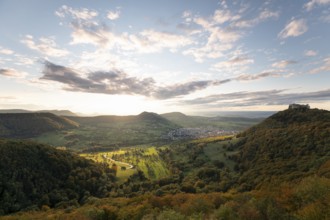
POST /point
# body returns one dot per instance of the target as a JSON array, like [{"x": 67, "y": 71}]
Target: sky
[{"x": 193, "y": 56}]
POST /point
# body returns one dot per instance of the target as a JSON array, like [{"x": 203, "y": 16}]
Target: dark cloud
[
  {"x": 247, "y": 77},
  {"x": 269, "y": 97},
  {"x": 112, "y": 82},
  {"x": 181, "y": 89},
  {"x": 118, "y": 82}
]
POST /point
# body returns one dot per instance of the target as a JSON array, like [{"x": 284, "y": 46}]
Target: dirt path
[{"x": 129, "y": 166}]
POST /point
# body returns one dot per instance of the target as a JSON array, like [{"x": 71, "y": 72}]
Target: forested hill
[
  {"x": 34, "y": 175},
  {"x": 32, "y": 124},
  {"x": 109, "y": 120},
  {"x": 225, "y": 122},
  {"x": 286, "y": 146}
]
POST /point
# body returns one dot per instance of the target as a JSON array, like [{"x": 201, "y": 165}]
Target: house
[{"x": 298, "y": 106}]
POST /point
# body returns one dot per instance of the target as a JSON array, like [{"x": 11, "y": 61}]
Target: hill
[
  {"x": 32, "y": 124},
  {"x": 278, "y": 169},
  {"x": 35, "y": 175},
  {"x": 219, "y": 122},
  {"x": 55, "y": 112},
  {"x": 287, "y": 146},
  {"x": 105, "y": 132}
]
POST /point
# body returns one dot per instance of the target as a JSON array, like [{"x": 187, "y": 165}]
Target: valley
[{"x": 120, "y": 167}]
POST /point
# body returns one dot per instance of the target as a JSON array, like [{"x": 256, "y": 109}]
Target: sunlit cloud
[
  {"x": 324, "y": 67},
  {"x": 91, "y": 33},
  {"x": 6, "y": 51},
  {"x": 283, "y": 63},
  {"x": 45, "y": 46},
  {"x": 83, "y": 13},
  {"x": 310, "y": 53},
  {"x": 24, "y": 61},
  {"x": 263, "y": 16},
  {"x": 222, "y": 31},
  {"x": 294, "y": 28},
  {"x": 113, "y": 15},
  {"x": 314, "y": 3},
  {"x": 231, "y": 64},
  {"x": 149, "y": 41}
]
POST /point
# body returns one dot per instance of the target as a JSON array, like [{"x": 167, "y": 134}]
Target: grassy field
[
  {"x": 220, "y": 151},
  {"x": 145, "y": 159}
]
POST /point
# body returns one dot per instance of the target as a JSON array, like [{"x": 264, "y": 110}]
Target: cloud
[
  {"x": 6, "y": 51},
  {"x": 310, "y": 53},
  {"x": 218, "y": 38},
  {"x": 221, "y": 31},
  {"x": 249, "y": 77},
  {"x": 111, "y": 82},
  {"x": 146, "y": 41},
  {"x": 268, "y": 97},
  {"x": 283, "y": 64},
  {"x": 171, "y": 91},
  {"x": 323, "y": 68},
  {"x": 325, "y": 18},
  {"x": 222, "y": 16},
  {"x": 12, "y": 73},
  {"x": 86, "y": 32},
  {"x": 231, "y": 64},
  {"x": 113, "y": 15},
  {"x": 149, "y": 41},
  {"x": 294, "y": 28},
  {"x": 218, "y": 42},
  {"x": 46, "y": 46},
  {"x": 83, "y": 13},
  {"x": 263, "y": 16},
  {"x": 118, "y": 82},
  {"x": 313, "y": 3}
]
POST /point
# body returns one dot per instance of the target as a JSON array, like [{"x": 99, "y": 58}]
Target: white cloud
[
  {"x": 187, "y": 15},
  {"x": 240, "y": 62},
  {"x": 323, "y": 68},
  {"x": 6, "y": 51},
  {"x": 8, "y": 72},
  {"x": 310, "y": 53},
  {"x": 46, "y": 46},
  {"x": 283, "y": 63},
  {"x": 264, "y": 15},
  {"x": 313, "y": 3},
  {"x": 218, "y": 41},
  {"x": 221, "y": 32},
  {"x": 294, "y": 29},
  {"x": 83, "y": 13},
  {"x": 222, "y": 16},
  {"x": 24, "y": 61},
  {"x": 91, "y": 33},
  {"x": 147, "y": 41},
  {"x": 154, "y": 41},
  {"x": 113, "y": 15}
]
